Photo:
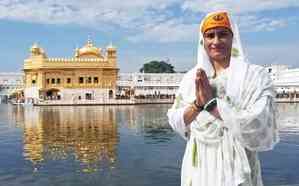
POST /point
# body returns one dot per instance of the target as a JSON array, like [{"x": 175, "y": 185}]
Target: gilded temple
[{"x": 90, "y": 75}]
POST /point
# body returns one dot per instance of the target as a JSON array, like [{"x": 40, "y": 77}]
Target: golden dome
[{"x": 89, "y": 49}]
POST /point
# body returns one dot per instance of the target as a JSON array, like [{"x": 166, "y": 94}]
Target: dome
[
  {"x": 89, "y": 49},
  {"x": 36, "y": 50}
]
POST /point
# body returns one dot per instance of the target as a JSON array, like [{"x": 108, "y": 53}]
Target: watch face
[{"x": 211, "y": 105}]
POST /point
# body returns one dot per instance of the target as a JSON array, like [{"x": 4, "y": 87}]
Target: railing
[
  {"x": 104, "y": 102},
  {"x": 287, "y": 100},
  {"x": 145, "y": 84}
]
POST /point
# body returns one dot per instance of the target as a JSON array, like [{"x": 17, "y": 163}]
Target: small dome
[
  {"x": 36, "y": 50},
  {"x": 34, "y": 47}
]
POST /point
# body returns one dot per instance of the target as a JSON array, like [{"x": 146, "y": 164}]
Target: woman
[{"x": 224, "y": 108}]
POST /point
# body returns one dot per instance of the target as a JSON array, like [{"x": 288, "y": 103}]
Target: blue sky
[{"x": 144, "y": 30}]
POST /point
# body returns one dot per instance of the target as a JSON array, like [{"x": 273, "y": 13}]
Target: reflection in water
[
  {"x": 288, "y": 119},
  {"x": 278, "y": 165},
  {"x": 90, "y": 134},
  {"x": 87, "y": 134},
  {"x": 55, "y": 133},
  {"x": 149, "y": 121},
  {"x": 123, "y": 141}
]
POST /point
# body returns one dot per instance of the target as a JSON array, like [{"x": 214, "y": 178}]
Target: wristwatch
[{"x": 210, "y": 105}]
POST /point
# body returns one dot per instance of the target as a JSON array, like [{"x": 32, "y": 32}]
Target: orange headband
[{"x": 219, "y": 19}]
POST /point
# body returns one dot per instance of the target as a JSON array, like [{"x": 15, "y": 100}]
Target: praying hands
[{"x": 203, "y": 89}]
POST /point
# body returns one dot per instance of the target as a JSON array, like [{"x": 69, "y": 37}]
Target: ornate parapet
[{"x": 76, "y": 60}]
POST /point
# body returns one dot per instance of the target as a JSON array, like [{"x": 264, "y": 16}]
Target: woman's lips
[{"x": 217, "y": 49}]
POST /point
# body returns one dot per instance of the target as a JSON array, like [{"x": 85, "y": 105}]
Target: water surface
[{"x": 114, "y": 146}]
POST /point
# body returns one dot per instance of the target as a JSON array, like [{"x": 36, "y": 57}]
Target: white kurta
[{"x": 223, "y": 152}]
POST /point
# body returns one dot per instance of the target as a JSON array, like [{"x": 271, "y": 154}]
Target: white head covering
[{"x": 237, "y": 50}]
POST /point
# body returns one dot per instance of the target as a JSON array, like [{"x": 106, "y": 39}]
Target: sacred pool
[{"x": 115, "y": 146}]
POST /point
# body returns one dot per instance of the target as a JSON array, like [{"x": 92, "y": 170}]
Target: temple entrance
[
  {"x": 53, "y": 94},
  {"x": 110, "y": 94},
  {"x": 88, "y": 96}
]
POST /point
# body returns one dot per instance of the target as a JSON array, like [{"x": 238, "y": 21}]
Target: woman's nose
[{"x": 216, "y": 39}]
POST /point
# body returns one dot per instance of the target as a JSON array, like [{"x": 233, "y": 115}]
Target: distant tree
[{"x": 157, "y": 67}]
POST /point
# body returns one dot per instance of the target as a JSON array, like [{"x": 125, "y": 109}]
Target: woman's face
[{"x": 218, "y": 43}]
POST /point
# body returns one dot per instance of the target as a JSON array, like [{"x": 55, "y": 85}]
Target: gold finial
[
  {"x": 110, "y": 46},
  {"x": 35, "y": 50},
  {"x": 77, "y": 48},
  {"x": 77, "y": 51},
  {"x": 89, "y": 41},
  {"x": 35, "y": 45}
]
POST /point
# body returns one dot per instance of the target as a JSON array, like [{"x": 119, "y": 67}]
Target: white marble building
[
  {"x": 10, "y": 83},
  {"x": 285, "y": 79},
  {"x": 148, "y": 84}
]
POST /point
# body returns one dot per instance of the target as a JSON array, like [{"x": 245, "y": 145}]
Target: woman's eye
[
  {"x": 223, "y": 34},
  {"x": 210, "y": 35}
]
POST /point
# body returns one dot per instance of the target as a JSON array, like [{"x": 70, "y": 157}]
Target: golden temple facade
[{"x": 90, "y": 75}]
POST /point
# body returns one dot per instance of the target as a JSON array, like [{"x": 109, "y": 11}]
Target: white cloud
[
  {"x": 241, "y": 6},
  {"x": 252, "y": 23},
  {"x": 144, "y": 20},
  {"x": 83, "y": 12},
  {"x": 169, "y": 31}
]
